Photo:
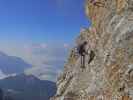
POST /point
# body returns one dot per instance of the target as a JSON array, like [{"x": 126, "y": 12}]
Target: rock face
[{"x": 109, "y": 75}]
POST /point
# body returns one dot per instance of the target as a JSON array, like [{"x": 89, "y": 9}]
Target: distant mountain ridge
[
  {"x": 19, "y": 86},
  {"x": 12, "y": 64},
  {"x": 28, "y": 87}
]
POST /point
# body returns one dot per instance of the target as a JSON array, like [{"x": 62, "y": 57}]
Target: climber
[
  {"x": 96, "y": 3},
  {"x": 82, "y": 51}
]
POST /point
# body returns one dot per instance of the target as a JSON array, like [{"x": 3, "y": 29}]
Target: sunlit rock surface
[{"x": 109, "y": 76}]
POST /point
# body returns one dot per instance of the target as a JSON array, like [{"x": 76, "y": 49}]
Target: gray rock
[{"x": 110, "y": 73}]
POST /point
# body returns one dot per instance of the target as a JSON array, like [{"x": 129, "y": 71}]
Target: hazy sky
[{"x": 40, "y": 30}]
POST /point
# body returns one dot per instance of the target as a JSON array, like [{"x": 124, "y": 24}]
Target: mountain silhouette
[
  {"x": 27, "y": 87},
  {"x": 12, "y": 64}
]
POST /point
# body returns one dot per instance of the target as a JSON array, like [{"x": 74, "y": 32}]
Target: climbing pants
[{"x": 82, "y": 61}]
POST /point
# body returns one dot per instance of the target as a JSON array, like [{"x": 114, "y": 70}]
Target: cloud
[
  {"x": 2, "y": 75},
  {"x": 43, "y": 72},
  {"x": 66, "y": 45},
  {"x": 39, "y": 46},
  {"x": 31, "y": 47},
  {"x": 48, "y": 59}
]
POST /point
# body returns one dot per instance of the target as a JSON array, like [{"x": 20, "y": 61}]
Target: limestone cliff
[{"x": 110, "y": 74}]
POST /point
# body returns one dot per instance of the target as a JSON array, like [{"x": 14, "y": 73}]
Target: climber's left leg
[
  {"x": 84, "y": 61},
  {"x": 81, "y": 61}
]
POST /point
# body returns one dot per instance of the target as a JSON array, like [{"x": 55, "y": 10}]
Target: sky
[{"x": 41, "y": 31}]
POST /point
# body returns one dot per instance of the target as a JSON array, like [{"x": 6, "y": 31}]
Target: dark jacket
[{"x": 82, "y": 49}]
